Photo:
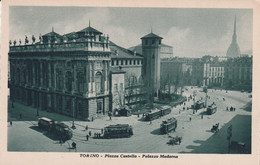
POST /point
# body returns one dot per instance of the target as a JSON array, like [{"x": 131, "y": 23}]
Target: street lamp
[
  {"x": 73, "y": 107},
  {"x": 37, "y": 111},
  {"x": 206, "y": 100}
]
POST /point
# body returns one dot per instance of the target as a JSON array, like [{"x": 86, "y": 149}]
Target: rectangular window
[
  {"x": 134, "y": 62},
  {"x": 138, "y": 62},
  {"x": 146, "y": 42},
  {"x": 112, "y": 62},
  {"x": 126, "y": 62},
  {"x": 121, "y": 87},
  {"x": 153, "y": 41},
  {"x": 130, "y": 62},
  {"x": 159, "y": 41},
  {"x": 99, "y": 107},
  {"x": 117, "y": 62},
  {"x": 122, "y": 62},
  {"x": 115, "y": 87}
]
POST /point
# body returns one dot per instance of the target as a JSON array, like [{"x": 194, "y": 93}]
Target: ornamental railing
[{"x": 70, "y": 46}]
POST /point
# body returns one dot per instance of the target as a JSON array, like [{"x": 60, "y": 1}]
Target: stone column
[
  {"x": 41, "y": 74},
  {"x": 74, "y": 72},
  {"x": 93, "y": 78},
  {"x": 49, "y": 74},
  {"x": 33, "y": 73},
  {"x": 54, "y": 76}
]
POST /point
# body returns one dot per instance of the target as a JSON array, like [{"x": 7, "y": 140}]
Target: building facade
[
  {"x": 132, "y": 64},
  {"x": 238, "y": 73},
  {"x": 67, "y": 74}
]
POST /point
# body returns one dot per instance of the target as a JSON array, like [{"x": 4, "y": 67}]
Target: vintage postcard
[{"x": 172, "y": 82}]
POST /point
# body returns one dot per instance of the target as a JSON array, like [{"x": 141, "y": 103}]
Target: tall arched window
[
  {"x": 68, "y": 81},
  {"x": 99, "y": 83},
  {"x": 80, "y": 82},
  {"x": 18, "y": 76},
  {"x": 59, "y": 80}
]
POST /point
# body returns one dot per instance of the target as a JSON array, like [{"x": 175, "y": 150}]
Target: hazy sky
[{"x": 191, "y": 32}]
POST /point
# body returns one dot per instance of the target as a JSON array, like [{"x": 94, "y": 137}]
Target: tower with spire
[{"x": 233, "y": 50}]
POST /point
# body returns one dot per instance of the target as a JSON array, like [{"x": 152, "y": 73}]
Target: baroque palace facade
[{"x": 68, "y": 74}]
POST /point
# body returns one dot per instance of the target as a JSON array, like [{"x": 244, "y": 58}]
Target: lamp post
[
  {"x": 206, "y": 100},
  {"x": 37, "y": 111},
  {"x": 73, "y": 111}
]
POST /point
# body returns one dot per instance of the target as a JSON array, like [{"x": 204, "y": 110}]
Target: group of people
[
  {"x": 231, "y": 109},
  {"x": 96, "y": 134}
]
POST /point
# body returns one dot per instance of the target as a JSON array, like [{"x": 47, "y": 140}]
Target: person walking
[
  {"x": 190, "y": 118},
  {"x": 102, "y": 130},
  {"x": 87, "y": 137},
  {"x": 74, "y": 145},
  {"x": 11, "y": 123},
  {"x": 86, "y": 127},
  {"x": 89, "y": 133}
]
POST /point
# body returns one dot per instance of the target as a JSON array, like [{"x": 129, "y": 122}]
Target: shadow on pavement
[
  {"x": 248, "y": 107},
  {"x": 156, "y": 132},
  {"x": 48, "y": 134},
  {"x": 218, "y": 143}
]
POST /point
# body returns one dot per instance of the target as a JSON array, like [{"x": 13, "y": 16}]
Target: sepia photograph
[{"x": 129, "y": 82}]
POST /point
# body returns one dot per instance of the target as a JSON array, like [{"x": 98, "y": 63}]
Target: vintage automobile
[
  {"x": 211, "y": 109},
  {"x": 168, "y": 125},
  {"x": 175, "y": 140},
  {"x": 215, "y": 128},
  {"x": 118, "y": 131}
]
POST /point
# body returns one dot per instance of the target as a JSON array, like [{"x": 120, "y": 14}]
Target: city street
[{"x": 24, "y": 135}]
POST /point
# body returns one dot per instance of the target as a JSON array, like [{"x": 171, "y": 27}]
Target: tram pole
[{"x": 73, "y": 113}]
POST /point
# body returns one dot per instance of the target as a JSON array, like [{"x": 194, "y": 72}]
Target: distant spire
[
  {"x": 52, "y": 29},
  {"x": 151, "y": 29},
  {"x": 89, "y": 22},
  {"x": 235, "y": 24},
  {"x": 234, "y": 38}
]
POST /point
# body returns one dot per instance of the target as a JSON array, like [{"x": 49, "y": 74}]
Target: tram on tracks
[
  {"x": 118, "y": 131},
  {"x": 157, "y": 113},
  {"x": 168, "y": 125},
  {"x": 58, "y": 128},
  {"x": 212, "y": 109}
]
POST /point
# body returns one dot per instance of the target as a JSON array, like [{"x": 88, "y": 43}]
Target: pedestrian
[
  {"x": 92, "y": 118},
  {"x": 150, "y": 121},
  {"x": 183, "y": 108},
  {"x": 86, "y": 127},
  {"x": 190, "y": 118},
  {"x": 234, "y": 109},
  {"x": 138, "y": 115},
  {"x": 227, "y": 108},
  {"x": 74, "y": 145},
  {"x": 89, "y": 133},
  {"x": 11, "y": 123},
  {"x": 102, "y": 130},
  {"x": 87, "y": 137},
  {"x": 179, "y": 111},
  {"x": 179, "y": 139},
  {"x": 201, "y": 116}
]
